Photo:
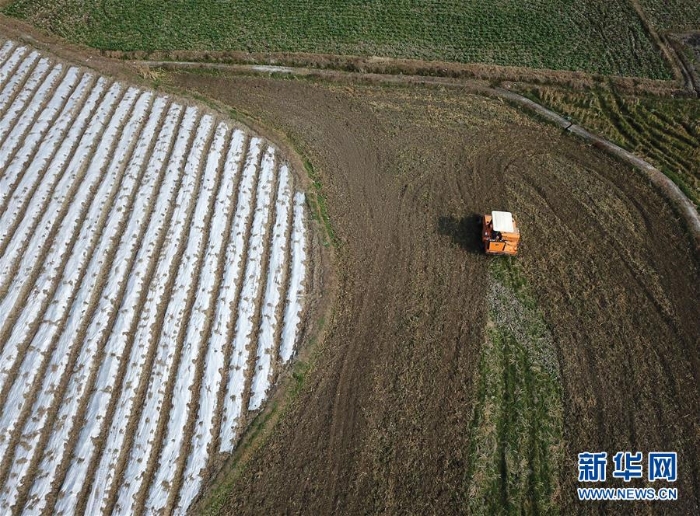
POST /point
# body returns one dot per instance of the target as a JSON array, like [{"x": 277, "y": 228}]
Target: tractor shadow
[{"x": 464, "y": 232}]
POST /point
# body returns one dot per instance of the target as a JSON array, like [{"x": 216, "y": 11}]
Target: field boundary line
[
  {"x": 690, "y": 72},
  {"x": 666, "y": 52},
  {"x": 289, "y": 62}
]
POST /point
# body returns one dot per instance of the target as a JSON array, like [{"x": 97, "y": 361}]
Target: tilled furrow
[
  {"x": 97, "y": 318},
  {"x": 66, "y": 288}
]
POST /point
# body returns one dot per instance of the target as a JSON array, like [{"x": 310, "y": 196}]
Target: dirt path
[{"x": 382, "y": 421}]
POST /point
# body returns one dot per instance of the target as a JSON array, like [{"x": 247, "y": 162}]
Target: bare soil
[{"x": 382, "y": 420}]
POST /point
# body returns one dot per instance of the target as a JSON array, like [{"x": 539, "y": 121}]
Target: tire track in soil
[
  {"x": 87, "y": 319},
  {"x": 115, "y": 394},
  {"x": 65, "y": 113},
  {"x": 52, "y": 188},
  {"x": 205, "y": 333},
  {"x": 215, "y": 444},
  {"x": 135, "y": 418},
  {"x": 323, "y": 446},
  {"x": 57, "y": 221},
  {"x": 607, "y": 232},
  {"x": 30, "y": 398},
  {"x": 156, "y": 333}
]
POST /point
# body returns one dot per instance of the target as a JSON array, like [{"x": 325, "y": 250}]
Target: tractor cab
[{"x": 500, "y": 233}]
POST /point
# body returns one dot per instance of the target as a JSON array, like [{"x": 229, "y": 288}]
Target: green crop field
[
  {"x": 600, "y": 36},
  {"x": 673, "y": 15}
]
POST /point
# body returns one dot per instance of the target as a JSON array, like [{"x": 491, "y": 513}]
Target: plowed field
[{"x": 382, "y": 420}]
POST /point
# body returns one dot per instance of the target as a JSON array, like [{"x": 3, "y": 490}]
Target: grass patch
[
  {"x": 318, "y": 205},
  {"x": 664, "y": 131},
  {"x": 598, "y": 36},
  {"x": 517, "y": 425}
]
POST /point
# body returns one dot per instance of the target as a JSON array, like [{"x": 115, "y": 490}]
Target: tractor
[{"x": 499, "y": 233}]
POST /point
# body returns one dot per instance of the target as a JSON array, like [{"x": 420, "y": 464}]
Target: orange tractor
[{"x": 499, "y": 233}]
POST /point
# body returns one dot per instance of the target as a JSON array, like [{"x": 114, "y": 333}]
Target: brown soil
[{"x": 382, "y": 420}]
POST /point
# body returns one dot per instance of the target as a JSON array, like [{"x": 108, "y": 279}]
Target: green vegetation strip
[
  {"x": 598, "y": 36},
  {"x": 516, "y": 431}
]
